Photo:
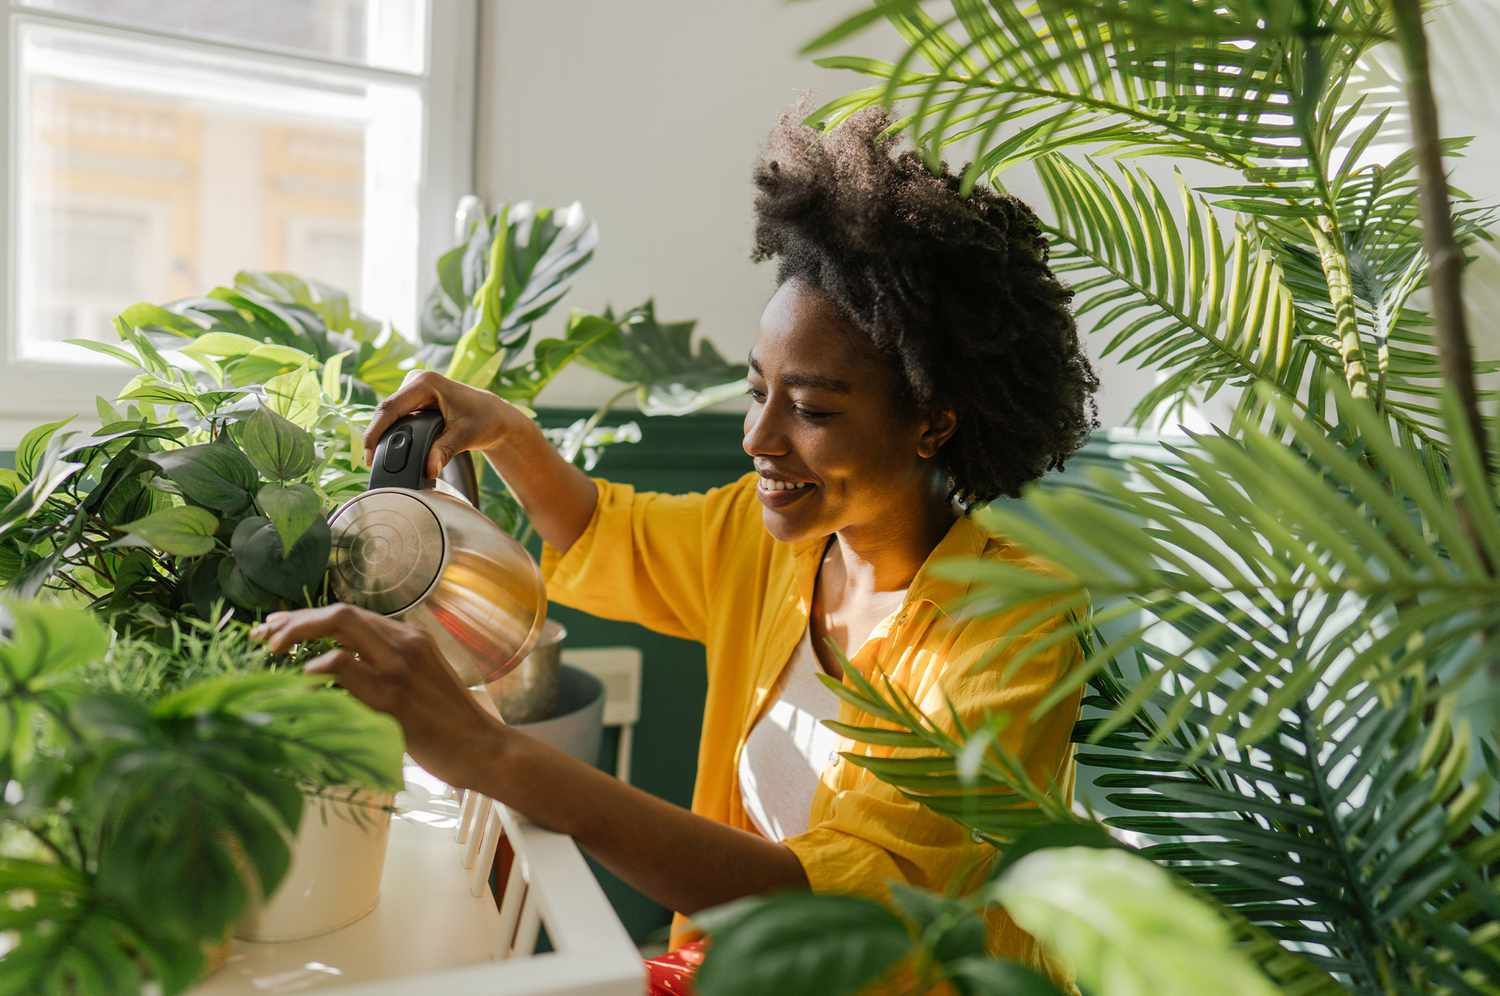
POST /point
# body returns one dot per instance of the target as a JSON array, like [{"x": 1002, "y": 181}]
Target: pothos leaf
[
  {"x": 292, "y": 508},
  {"x": 183, "y": 530},
  {"x": 294, "y": 575},
  {"x": 278, "y": 448},
  {"x": 215, "y": 475}
]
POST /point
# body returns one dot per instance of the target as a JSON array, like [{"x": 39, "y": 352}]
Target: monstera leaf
[
  {"x": 272, "y": 323},
  {"x": 658, "y": 358},
  {"x": 491, "y": 290}
]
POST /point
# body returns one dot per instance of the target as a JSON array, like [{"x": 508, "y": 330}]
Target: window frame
[{"x": 33, "y": 390}]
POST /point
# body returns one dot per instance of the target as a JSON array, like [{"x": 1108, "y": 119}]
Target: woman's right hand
[{"x": 472, "y": 419}]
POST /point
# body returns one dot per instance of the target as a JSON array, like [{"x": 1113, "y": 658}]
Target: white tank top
[{"x": 788, "y": 748}]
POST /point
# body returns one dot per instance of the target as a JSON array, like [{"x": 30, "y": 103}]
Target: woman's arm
[
  {"x": 681, "y": 860},
  {"x": 684, "y": 861},
  {"x": 558, "y": 497}
]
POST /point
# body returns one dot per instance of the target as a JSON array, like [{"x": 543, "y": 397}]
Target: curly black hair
[{"x": 955, "y": 290}]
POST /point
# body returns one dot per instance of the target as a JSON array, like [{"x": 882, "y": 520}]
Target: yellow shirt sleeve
[{"x": 639, "y": 560}]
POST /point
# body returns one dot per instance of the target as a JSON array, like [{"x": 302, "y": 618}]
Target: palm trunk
[{"x": 1445, "y": 260}]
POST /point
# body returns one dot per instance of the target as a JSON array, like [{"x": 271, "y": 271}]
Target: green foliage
[
  {"x": 515, "y": 266},
  {"x": 1101, "y": 910},
  {"x": 1295, "y": 744},
  {"x": 761, "y": 945},
  {"x": 165, "y": 785},
  {"x": 658, "y": 360},
  {"x": 143, "y": 517}
]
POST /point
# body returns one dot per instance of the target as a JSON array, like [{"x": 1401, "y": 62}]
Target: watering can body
[{"x": 416, "y": 549}]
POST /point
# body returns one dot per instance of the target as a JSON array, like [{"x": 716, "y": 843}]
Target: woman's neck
[{"x": 885, "y": 555}]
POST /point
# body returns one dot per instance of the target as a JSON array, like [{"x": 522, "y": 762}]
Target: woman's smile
[{"x": 774, "y": 493}]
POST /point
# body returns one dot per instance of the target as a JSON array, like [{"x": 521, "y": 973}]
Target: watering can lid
[
  {"x": 388, "y": 544},
  {"x": 387, "y": 550}
]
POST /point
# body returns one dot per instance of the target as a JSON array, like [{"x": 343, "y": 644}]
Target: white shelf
[{"x": 429, "y": 934}]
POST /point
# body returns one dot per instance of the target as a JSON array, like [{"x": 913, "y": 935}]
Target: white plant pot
[{"x": 334, "y": 879}]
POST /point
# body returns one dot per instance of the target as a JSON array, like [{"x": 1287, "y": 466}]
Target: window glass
[
  {"x": 151, "y": 175},
  {"x": 386, "y": 33}
]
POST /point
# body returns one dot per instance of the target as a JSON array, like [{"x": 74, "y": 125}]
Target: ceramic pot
[{"x": 338, "y": 857}]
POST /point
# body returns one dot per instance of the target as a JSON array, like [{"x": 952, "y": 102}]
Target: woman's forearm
[
  {"x": 557, "y": 496},
  {"x": 683, "y": 861}
]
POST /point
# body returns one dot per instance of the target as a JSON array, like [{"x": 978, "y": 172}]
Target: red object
[{"x": 672, "y": 973}]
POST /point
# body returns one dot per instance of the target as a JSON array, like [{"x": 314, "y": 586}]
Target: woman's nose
[{"x": 762, "y": 436}]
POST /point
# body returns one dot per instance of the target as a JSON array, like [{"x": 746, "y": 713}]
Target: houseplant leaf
[
  {"x": 531, "y": 257},
  {"x": 658, "y": 358},
  {"x": 1100, "y": 909},
  {"x": 292, "y": 508},
  {"x": 215, "y": 475},
  {"x": 800, "y": 944},
  {"x": 279, "y": 448},
  {"x": 182, "y": 530},
  {"x": 296, "y": 575}
]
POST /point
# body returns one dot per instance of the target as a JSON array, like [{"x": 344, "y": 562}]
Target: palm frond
[
  {"x": 1212, "y": 81},
  {"x": 1349, "y": 838},
  {"x": 1249, "y": 554},
  {"x": 1205, "y": 309}
]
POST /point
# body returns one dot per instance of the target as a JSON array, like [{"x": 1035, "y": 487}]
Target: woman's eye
[
  {"x": 813, "y": 416},
  {"x": 758, "y": 395}
]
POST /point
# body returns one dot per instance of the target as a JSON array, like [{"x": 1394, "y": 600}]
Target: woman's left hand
[{"x": 395, "y": 667}]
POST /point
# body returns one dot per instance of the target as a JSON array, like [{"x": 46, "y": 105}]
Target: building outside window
[{"x": 160, "y": 146}]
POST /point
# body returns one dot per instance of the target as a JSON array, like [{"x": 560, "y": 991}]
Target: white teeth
[{"x": 766, "y": 484}]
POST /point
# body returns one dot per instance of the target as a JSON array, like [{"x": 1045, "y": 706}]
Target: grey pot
[
  {"x": 578, "y": 727},
  {"x": 529, "y": 692}
]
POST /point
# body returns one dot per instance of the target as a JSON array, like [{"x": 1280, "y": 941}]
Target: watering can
[{"x": 418, "y": 549}]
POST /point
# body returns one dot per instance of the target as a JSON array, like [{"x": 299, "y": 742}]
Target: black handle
[{"x": 401, "y": 455}]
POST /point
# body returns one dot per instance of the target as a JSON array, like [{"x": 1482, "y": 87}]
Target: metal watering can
[{"x": 418, "y": 549}]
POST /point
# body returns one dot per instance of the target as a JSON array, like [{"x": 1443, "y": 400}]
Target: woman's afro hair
[{"x": 955, "y": 290}]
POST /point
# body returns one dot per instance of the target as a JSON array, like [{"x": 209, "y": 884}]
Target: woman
[{"x": 917, "y": 357}]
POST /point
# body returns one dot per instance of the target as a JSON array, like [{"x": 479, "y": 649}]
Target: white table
[{"x": 429, "y": 934}]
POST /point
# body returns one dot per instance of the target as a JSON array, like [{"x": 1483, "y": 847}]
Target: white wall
[{"x": 650, "y": 112}]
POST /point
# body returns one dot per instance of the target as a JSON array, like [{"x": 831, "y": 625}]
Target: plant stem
[
  {"x": 1445, "y": 260},
  {"x": 1335, "y": 260}
]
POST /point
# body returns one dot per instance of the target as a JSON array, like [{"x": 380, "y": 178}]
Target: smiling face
[{"x": 836, "y": 446}]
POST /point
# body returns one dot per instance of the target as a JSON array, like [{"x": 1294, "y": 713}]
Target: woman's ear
[{"x": 937, "y": 429}]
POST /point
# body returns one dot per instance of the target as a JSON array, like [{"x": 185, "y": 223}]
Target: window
[{"x": 159, "y": 146}]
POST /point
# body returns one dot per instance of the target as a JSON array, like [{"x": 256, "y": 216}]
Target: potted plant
[
  {"x": 1291, "y": 690},
  {"x": 154, "y": 787}
]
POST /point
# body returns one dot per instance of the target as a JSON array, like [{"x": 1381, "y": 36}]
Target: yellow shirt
[{"x": 703, "y": 567}]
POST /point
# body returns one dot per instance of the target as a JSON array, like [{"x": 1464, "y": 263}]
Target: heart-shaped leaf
[
  {"x": 291, "y": 509},
  {"x": 239, "y": 589},
  {"x": 182, "y": 530},
  {"x": 296, "y": 396},
  {"x": 215, "y": 475},
  {"x": 295, "y": 575},
  {"x": 277, "y": 447}
]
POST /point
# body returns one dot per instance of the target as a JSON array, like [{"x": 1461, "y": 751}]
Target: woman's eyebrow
[{"x": 795, "y": 379}]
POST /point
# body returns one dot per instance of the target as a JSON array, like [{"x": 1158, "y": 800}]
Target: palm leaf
[
  {"x": 1205, "y": 310},
  {"x": 1250, "y": 554},
  {"x": 1213, "y": 81}
]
